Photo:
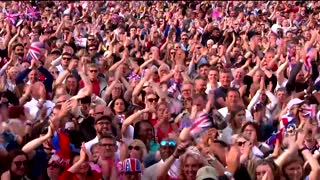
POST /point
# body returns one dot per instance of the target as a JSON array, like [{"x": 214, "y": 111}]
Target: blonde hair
[
  {"x": 193, "y": 152},
  {"x": 142, "y": 146}
]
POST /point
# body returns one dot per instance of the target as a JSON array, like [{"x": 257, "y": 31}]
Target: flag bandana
[{"x": 131, "y": 165}]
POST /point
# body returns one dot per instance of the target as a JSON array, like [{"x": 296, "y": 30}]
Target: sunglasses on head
[
  {"x": 137, "y": 148},
  {"x": 168, "y": 143},
  {"x": 20, "y": 163}
]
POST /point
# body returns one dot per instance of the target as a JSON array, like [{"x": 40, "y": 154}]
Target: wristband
[{"x": 175, "y": 156}]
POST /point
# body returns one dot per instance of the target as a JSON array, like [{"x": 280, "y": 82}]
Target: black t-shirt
[
  {"x": 87, "y": 129},
  {"x": 218, "y": 93}
]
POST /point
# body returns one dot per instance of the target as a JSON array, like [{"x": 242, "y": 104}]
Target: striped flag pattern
[
  {"x": 133, "y": 76},
  {"x": 81, "y": 42},
  {"x": 201, "y": 124},
  {"x": 35, "y": 50},
  {"x": 284, "y": 123},
  {"x": 33, "y": 13},
  {"x": 307, "y": 61},
  {"x": 131, "y": 165},
  {"x": 11, "y": 18}
]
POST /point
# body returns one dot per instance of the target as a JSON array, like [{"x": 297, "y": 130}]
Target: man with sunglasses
[
  {"x": 99, "y": 85},
  {"x": 167, "y": 148}
]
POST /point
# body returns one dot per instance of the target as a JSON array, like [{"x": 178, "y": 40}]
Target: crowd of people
[{"x": 163, "y": 90}]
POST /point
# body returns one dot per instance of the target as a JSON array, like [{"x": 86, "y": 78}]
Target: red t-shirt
[
  {"x": 161, "y": 135},
  {"x": 95, "y": 86},
  {"x": 73, "y": 176}
]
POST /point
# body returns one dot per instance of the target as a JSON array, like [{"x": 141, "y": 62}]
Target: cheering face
[
  {"x": 108, "y": 148},
  {"x": 19, "y": 165},
  {"x": 119, "y": 106},
  {"x": 261, "y": 170},
  {"x": 190, "y": 168},
  {"x": 84, "y": 167},
  {"x": 294, "y": 171},
  {"x": 167, "y": 148},
  {"x": 250, "y": 132},
  {"x": 19, "y": 51},
  {"x": 33, "y": 76},
  {"x": 103, "y": 127}
]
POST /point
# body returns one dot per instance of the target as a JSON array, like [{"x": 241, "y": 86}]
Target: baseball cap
[
  {"x": 206, "y": 172},
  {"x": 131, "y": 165},
  {"x": 293, "y": 102}
]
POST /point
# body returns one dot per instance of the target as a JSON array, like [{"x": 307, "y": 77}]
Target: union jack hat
[{"x": 131, "y": 165}]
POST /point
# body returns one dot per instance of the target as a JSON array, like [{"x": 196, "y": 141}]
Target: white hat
[{"x": 293, "y": 102}]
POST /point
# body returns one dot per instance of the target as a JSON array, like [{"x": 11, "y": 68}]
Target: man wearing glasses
[
  {"x": 167, "y": 147},
  {"x": 98, "y": 84}
]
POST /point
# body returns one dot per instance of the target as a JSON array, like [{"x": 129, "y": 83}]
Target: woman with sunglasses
[
  {"x": 247, "y": 158},
  {"x": 18, "y": 166},
  {"x": 137, "y": 149}
]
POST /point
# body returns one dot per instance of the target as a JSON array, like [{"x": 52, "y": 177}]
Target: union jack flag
[
  {"x": 286, "y": 121},
  {"x": 131, "y": 165},
  {"x": 32, "y": 13},
  {"x": 311, "y": 110},
  {"x": 200, "y": 124},
  {"x": 289, "y": 55},
  {"x": 134, "y": 76},
  {"x": 173, "y": 88},
  {"x": 35, "y": 50},
  {"x": 11, "y": 18},
  {"x": 307, "y": 61},
  {"x": 81, "y": 42}
]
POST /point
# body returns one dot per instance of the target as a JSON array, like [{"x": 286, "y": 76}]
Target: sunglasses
[
  {"x": 241, "y": 143},
  {"x": 93, "y": 71},
  {"x": 92, "y": 49},
  {"x": 152, "y": 100},
  {"x": 184, "y": 38},
  {"x": 54, "y": 165},
  {"x": 137, "y": 148},
  {"x": 54, "y": 72},
  {"x": 168, "y": 143},
  {"x": 66, "y": 58},
  {"x": 90, "y": 39},
  {"x": 20, "y": 163}
]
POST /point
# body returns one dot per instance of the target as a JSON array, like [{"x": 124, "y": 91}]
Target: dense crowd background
[{"x": 166, "y": 90}]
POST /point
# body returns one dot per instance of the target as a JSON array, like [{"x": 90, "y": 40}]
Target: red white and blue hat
[{"x": 131, "y": 165}]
